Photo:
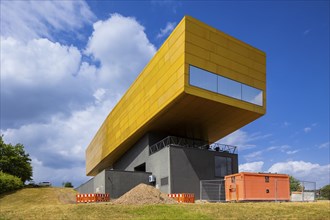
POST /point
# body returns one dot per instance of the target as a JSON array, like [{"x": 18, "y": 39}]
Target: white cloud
[
  {"x": 292, "y": 152},
  {"x": 304, "y": 171},
  {"x": 251, "y": 167},
  {"x": 324, "y": 145},
  {"x": 123, "y": 49},
  {"x": 60, "y": 144},
  {"x": 257, "y": 155},
  {"x": 307, "y": 129},
  {"x": 26, "y": 20},
  {"x": 38, "y": 62},
  {"x": 49, "y": 79},
  {"x": 40, "y": 78},
  {"x": 242, "y": 139},
  {"x": 57, "y": 176},
  {"x": 167, "y": 30}
]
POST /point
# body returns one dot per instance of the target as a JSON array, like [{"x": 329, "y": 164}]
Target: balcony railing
[{"x": 190, "y": 143}]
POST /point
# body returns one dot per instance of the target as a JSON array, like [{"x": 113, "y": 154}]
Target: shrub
[
  {"x": 325, "y": 192},
  {"x": 68, "y": 184},
  {"x": 9, "y": 182}
]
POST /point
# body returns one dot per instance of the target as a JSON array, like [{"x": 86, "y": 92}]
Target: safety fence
[
  {"x": 212, "y": 190},
  {"x": 183, "y": 197},
  {"x": 92, "y": 197},
  {"x": 305, "y": 191}
]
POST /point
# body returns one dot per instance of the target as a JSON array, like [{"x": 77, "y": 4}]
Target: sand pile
[{"x": 144, "y": 194}]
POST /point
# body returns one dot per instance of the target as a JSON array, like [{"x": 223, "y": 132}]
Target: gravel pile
[{"x": 144, "y": 194}]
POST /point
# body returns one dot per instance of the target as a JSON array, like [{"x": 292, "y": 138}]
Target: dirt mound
[{"x": 144, "y": 194}]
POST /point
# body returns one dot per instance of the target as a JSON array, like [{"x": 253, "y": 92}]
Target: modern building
[{"x": 200, "y": 86}]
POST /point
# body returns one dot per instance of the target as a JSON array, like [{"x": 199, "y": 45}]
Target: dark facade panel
[{"x": 189, "y": 166}]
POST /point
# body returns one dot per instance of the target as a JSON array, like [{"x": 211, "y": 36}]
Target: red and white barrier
[
  {"x": 92, "y": 197},
  {"x": 183, "y": 197}
]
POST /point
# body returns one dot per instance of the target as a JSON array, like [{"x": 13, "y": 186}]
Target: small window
[
  {"x": 223, "y": 166},
  {"x": 164, "y": 181},
  {"x": 267, "y": 179},
  {"x": 232, "y": 179}
]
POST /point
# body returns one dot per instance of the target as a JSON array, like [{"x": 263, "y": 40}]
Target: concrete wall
[
  {"x": 119, "y": 182},
  {"x": 114, "y": 182},
  {"x": 189, "y": 166},
  {"x": 94, "y": 185},
  {"x": 139, "y": 153},
  {"x": 158, "y": 164}
]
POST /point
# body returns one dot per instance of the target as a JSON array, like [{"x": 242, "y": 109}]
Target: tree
[
  {"x": 294, "y": 184},
  {"x": 14, "y": 161},
  {"x": 68, "y": 184},
  {"x": 325, "y": 192}
]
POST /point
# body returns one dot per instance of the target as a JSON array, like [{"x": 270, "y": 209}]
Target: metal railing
[
  {"x": 190, "y": 143},
  {"x": 212, "y": 190}
]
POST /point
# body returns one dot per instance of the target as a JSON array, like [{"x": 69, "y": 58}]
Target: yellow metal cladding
[{"x": 161, "y": 98}]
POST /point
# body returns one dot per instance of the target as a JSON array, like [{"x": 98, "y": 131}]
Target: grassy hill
[{"x": 59, "y": 203}]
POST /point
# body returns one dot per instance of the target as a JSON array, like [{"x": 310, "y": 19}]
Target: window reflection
[
  {"x": 222, "y": 85},
  {"x": 250, "y": 94},
  {"x": 203, "y": 79},
  {"x": 223, "y": 166},
  {"x": 229, "y": 87}
]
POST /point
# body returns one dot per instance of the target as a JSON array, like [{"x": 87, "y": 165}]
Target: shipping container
[{"x": 246, "y": 186}]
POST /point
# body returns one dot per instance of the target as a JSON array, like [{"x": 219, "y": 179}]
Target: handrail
[{"x": 190, "y": 143}]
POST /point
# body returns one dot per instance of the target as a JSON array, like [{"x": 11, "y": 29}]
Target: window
[
  {"x": 224, "y": 86},
  {"x": 266, "y": 179},
  {"x": 164, "y": 181},
  {"x": 229, "y": 87},
  {"x": 223, "y": 166},
  {"x": 252, "y": 95},
  {"x": 233, "y": 179},
  {"x": 203, "y": 79}
]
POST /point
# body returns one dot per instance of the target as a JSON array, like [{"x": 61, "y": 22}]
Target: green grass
[{"x": 54, "y": 203}]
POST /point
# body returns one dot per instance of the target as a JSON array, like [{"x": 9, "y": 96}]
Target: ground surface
[{"x": 58, "y": 203}]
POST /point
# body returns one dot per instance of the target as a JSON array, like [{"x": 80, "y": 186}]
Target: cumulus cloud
[
  {"x": 243, "y": 139},
  {"x": 40, "y": 78},
  {"x": 61, "y": 143},
  {"x": 251, "y": 167},
  {"x": 167, "y": 30},
  {"x": 123, "y": 49},
  {"x": 304, "y": 171},
  {"x": 49, "y": 80},
  {"x": 26, "y": 20}
]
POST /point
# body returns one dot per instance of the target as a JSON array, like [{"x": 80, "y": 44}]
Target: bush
[
  {"x": 325, "y": 192},
  {"x": 9, "y": 182},
  {"x": 68, "y": 184}
]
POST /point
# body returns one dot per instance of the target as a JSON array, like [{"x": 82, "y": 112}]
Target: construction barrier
[
  {"x": 92, "y": 197},
  {"x": 183, "y": 197}
]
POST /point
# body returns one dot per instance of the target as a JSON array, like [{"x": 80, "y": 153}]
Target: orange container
[
  {"x": 183, "y": 197},
  {"x": 257, "y": 187},
  {"x": 92, "y": 197}
]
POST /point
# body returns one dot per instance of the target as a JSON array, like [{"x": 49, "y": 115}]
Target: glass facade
[
  {"x": 223, "y": 166},
  {"x": 222, "y": 85}
]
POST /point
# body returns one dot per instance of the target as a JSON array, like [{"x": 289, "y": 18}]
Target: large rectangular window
[
  {"x": 203, "y": 79},
  {"x": 222, "y": 85},
  {"x": 223, "y": 166}
]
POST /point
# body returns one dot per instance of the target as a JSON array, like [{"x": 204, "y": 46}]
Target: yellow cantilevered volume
[{"x": 201, "y": 84}]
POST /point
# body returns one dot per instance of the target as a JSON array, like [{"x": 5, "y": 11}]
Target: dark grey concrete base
[{"x": 114, "y": 182}]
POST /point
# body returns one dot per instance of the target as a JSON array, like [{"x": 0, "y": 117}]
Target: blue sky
[{"x": 64, "y": 66}]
